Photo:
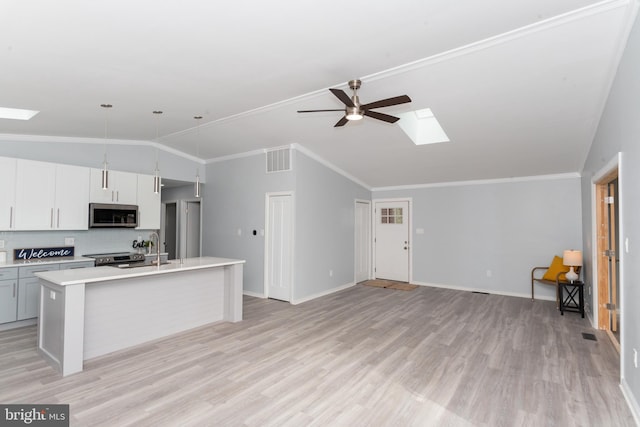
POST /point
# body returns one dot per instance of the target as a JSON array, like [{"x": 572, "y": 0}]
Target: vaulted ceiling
[{"x": 518, "y": 86}]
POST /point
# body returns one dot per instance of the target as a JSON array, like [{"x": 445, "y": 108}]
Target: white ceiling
[{"x": 518, "y": 85}]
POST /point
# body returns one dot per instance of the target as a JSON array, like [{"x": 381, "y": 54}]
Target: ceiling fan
[{"x": 355, "y": 111}]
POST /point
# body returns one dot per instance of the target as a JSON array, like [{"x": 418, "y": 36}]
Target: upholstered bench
[{"x": 554, "y": 274}]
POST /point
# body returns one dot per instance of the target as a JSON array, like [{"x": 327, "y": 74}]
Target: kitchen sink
[{"x": 136, "y": 265}]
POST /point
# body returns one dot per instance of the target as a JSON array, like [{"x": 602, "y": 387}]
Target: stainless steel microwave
[{"x": 107, "y": 215}]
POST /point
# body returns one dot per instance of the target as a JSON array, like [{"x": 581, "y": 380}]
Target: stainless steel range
[{"x": 119, "y": 259}]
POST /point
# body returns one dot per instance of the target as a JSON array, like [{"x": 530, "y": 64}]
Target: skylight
[
  {"x": 422, "y": 127},
  {"x": 16, "y": 113}
]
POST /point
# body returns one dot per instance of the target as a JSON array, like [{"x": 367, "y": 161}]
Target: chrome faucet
[{"x": 157, "y": 261}]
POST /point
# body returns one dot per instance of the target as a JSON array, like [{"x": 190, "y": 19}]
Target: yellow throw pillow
[{"x": 556, "y": 267}]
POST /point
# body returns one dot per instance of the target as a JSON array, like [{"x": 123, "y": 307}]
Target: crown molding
[
  {"x": 555, "y": 21},
  {"x": 569, "y": 175},
  {"x": 7, "y": 137},
  {"x": 329, "y": 165}
]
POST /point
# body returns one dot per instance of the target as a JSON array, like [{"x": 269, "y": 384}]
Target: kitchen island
[{"x": 94, "y": 311}]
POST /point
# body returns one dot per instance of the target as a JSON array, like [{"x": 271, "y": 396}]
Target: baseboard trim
[
  {"x": 18, "y": 324},
  {"x": 253, "y": 294},
  {"x": 490, "y": 291},
  {"x": 631, "y": 401},
  {"x": 322, "y": 294}
]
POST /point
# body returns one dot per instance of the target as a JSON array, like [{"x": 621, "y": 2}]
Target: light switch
[
  {"x": 419, "y": 230},
  {"x": 52, "y": 295},
  {"x": 69, "y": 241},
  {"x": 239, "y": 231}
]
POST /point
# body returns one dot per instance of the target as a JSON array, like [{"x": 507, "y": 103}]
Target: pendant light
[
  {"x": 156, "y": 176},
  {"x": 197, "y": 185},
  {"x": 105, "y": 170}
]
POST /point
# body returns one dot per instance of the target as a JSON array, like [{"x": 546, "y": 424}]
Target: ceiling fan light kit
[{"x": 355, "y": 111}]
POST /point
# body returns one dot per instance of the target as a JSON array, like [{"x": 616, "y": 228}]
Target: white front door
[
  {"x": 362, "y": 240},
  {"x": 279, "y": 246},
  {"x": 392, "y": 240}
]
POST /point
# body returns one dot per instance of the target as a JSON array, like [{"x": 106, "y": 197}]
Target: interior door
[
  {"x": 170, "y": 229},
  {"x": 608, "y": 257},
  {"x": 279, "y": 246},
  {"x": 362, "y": 241},
  {"x": 612, "y": 255},
  {"x": 392, "y": 240}
]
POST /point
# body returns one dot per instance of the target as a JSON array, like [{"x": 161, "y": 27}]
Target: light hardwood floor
[{"x": 362, "y": 357}]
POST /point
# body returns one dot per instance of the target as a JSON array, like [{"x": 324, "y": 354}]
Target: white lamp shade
[{"x": 572, "y": 258}]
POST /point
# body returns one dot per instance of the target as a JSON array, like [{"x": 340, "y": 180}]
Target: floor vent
[
  {"x": 481, "y": 293},
  {"x": 588, "y": 336},
  {"x": 279, "y": 160}
]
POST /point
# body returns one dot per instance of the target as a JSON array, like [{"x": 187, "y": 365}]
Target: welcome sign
[{"x": 27, "y": 254}]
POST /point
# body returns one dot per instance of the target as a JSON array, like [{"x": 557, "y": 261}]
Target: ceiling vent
[{"x": 279, "y": 160}]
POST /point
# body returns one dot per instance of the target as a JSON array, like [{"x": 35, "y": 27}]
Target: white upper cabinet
[
  {"x": 51, "y": 196},
  {"x": 48, "y": 196},
  {"x": 148, "y": 204},
  {"x": 122, "y": 189},
  {"x": 35, "y": 195},
  {"x": 72, "y": 195},
  {"x": 8, "y": 198}
]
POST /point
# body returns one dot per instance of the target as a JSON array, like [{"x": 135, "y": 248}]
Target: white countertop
[
  {"x": 61, "y": 260},
  {"x": 102, "y": 274}
]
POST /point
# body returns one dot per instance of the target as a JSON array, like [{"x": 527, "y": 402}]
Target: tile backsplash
[{"x": 86, "y": 241}]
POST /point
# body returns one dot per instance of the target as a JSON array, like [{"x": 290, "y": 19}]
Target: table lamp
[{"x": 572, "y": 259}]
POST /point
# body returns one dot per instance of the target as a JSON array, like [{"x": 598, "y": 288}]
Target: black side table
[{"x": 568, "y": 293}]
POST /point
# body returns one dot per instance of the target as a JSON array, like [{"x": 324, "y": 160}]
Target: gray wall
[
  {"x": 183, "y": 192},
  {"x": 504, "y": 227},
  {"x": 325, "y": 228},
  {"x": 619, "y": 131},
  {"x": 234, "y": 200},
  {"x": 129, "y": 157}
]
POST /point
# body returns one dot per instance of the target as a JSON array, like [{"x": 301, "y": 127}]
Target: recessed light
[{"x": 16, "y": 113}]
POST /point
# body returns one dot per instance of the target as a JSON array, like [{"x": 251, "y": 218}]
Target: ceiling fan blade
[
  {"x": 381, "y": 116},
  {"x": 317, "y": 111},
  {"x": 403, "y": 99},
  {"x": 343, "y": 121},
  {"x": 342, "y": 96}
]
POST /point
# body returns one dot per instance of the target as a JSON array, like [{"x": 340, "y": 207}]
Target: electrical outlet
[
  {"x": 330, "y": 273},
  {"x": 69, "y": 241}
]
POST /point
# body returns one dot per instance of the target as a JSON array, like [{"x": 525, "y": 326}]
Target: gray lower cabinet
[
  {"x": 20, "y": 289},
  {"x": 79, "y": 264},
  {"x": 29, "y": 289},
  {"x": 8, "y": 294}
]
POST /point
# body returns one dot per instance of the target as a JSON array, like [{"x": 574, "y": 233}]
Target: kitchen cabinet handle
[
  {"x": 117, "y": 195},
  {"x": 14, "y": 289},
  {"x": 58, "y": 225},
  {"x": 51, "y": 217},
  {"x": 11, "y": 217}
]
